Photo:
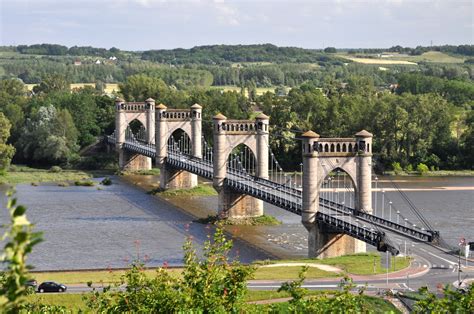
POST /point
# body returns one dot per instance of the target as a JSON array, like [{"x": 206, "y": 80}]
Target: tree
[
  {"x": 214, "y": 284},
  {"x": 140, "y": 87},
  {"x": 20, "y": 240},
  {"x": 330, "y": 50},
  {"x": 6, "y": 151},
  {"x": 49, "y": 137},
  {"x": 52, "y": 83}
]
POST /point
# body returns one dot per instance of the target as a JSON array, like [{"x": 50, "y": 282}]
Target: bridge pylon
[
  {"x": 167, "y": 122},
  {"x": 124, "y": 114},
  {"x": 229, "y": 134},
  {"x": 321, "y": 156}
]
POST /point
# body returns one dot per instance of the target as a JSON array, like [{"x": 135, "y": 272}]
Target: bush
[
  {"x": 421, "y": 168},
  {"x": 397, "y": 168},
  {"x": 409, "y": 168},
  {"x": 55, "y": 169},
  {"x": 106, "y": 181},
  {"x": 84, "y": 183}
]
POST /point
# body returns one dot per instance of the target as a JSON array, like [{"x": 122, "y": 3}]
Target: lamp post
[
  {"x": 383, "y": 203},
  {"x": 375, "y": 207},
  {"x": 398, "y": 217},
  {"x": 390, "y": 210}
]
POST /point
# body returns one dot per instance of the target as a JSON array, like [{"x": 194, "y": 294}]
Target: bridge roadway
[{"x": 361, "y": 225}]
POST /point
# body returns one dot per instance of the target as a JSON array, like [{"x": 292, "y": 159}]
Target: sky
[{"x": 165, "y": 24}]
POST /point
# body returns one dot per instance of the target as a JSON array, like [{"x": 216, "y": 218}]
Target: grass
[
  {"x": 386, "y": 61},
  {"x": 437, "y": 173},
  {"x": 73, "y": 302},
  {"x": 109, "y": 88},
  {"x": 23, "y": 174},
  {"x": 95, "y": 276},
  {"x": 363, "y": 264},
  {"x": 356, "y": 264},
  {"x": 200, "y": 190},
  {"x": 84, "y": 183},
  {"x": 264, "y": 220},
  {"x": 290, "y": 273},
  {"x": 151, "y": 172},
  {"x": 432, "y": 56}
]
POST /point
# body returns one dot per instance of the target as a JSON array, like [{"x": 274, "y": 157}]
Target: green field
[
  {"x": 23, "y": 174},
  {"x": 402, "y": 59},
  {"x": 357, "y": 264}
]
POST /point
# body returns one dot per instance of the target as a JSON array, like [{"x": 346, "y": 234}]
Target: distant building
[
  {"x": 77, "y": 62},
  {"x": 113, "y": 58},
  {"x": 98, "y": 62}
]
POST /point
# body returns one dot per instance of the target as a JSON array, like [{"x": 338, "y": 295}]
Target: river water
[{"x": 91, "y": 227}]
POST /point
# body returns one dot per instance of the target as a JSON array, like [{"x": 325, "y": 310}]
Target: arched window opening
[
  {"x": 180, "y": 143},
  {"x": 337, "y": 187},
  {"x": 242, "y": 161}
]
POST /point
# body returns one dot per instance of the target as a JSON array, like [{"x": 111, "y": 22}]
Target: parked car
[
  {"x": 50, "y": 286},
  {"x": 31, "y": 283}
]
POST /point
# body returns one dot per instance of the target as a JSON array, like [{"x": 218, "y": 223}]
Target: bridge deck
[{"x": 360, "y": 225}]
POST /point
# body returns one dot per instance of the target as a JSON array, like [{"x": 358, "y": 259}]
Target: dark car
[{"x": 50, "y": 286}]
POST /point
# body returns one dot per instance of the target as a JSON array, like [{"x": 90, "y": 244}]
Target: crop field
[
  {"x": 110, "y": 88},
  {"x": 233, "y": 88},
  {"x": 386, "y": 61},
  {"x": 403, "y": 59}
]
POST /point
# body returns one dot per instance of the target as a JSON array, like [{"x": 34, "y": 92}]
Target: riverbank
[
  {"x": 24, "y": 174},
  {"x": 437, "y": 173}
]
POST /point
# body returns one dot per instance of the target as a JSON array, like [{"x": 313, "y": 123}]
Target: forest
[{"x": 419, "y": 114}]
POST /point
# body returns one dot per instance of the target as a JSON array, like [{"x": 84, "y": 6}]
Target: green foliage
[
  {"x": 214, "y": 284},
  {"x": 397, "y": 168},
  {"x": 19, "y": 241},
  {"x": 263, "y": 220},
  {"x": 6, "y": 151},
  {"x": 422, "y": 168},
  {"x": 49, "y": 137},
  {"x": 106, "y": 181},
  {"x": 343, "y": 301},
  {"x": 84, "y": 183},
  {"x": 55, "y": 169},
  {"x": 453, "y": 301}
]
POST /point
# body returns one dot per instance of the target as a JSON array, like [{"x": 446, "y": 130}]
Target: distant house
[
  {"x": 98, "y": 62},
  {"x": 77, "y": 62},
  {"x": 113, "y": 58}
]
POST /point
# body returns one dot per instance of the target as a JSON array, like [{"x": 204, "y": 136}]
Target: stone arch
[
  {"x": 344, "y": 148},
  {"x": 233, "y": 142},
  {"x": 326, "y": 148},
  {"x": 188, "y": 138},
  {"x": 247, "y": 162},
  {"x": 338, "y": 148},
  {"x": 138, "y": 116},
  {"x": 332, "y": 148},
  {"x": 347, "y": 165}
]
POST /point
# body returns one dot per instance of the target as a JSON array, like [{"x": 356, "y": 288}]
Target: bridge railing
[{"x": 426, "y": 235}]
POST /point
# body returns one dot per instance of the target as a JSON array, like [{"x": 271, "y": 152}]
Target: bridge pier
[
  {"x": 176, "y": 179},
  {"x": 132, "y": 162},
  {"x": 166, "y": 123},
  {"x": 228, "y": 135},
  {"x": 127, "y": 160},
  {"x": 236, "y": 205},
  {"x": 318, "y": 162}
]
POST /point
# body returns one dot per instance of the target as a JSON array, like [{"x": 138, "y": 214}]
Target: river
[{"x": 109, "y": 226}]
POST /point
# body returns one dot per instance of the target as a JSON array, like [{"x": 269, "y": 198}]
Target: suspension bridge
[{"x": 245, "y": 173}]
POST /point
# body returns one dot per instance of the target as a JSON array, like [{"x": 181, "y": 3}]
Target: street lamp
[
  {"x": 390, "y": 210},
  {"x": 383, "y": 203},
  {"x": 398, "y": 217},
  {"x": 375, "y": 207}
]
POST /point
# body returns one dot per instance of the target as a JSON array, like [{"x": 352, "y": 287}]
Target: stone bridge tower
[
  {"x": 167, "y": 122},
  {"x": 229, "y": 134},
  {"x": 144, "y": 112},
  {"x": 320, "y": 157}
]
